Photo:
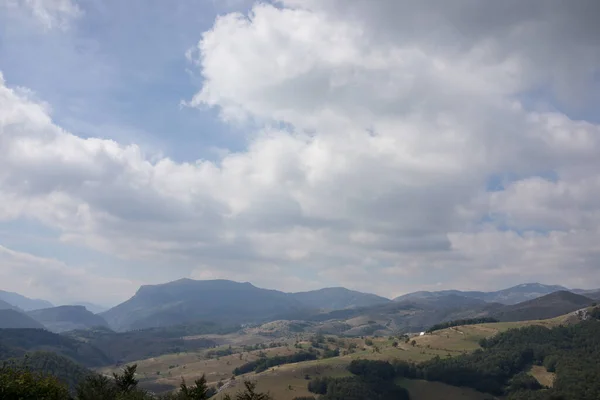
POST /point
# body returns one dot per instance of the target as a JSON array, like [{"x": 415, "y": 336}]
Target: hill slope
[
  {"x": 67, "y": 318},
  {"x": 13, "y": 319},
  {"x": 549, "y": 306},
  {"x": 337, "y": 298},
  {"x": 22, "y": 302},
  {"x": 188, "y": 300}
]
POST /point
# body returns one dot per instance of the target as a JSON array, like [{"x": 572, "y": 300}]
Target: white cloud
[
  {"x": 378, "y": 181},
  {"x": 49, "y": 14}
]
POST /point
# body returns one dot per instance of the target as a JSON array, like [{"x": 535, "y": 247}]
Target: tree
[
  {"x": 126, "y": 382},
  {"x": 200, "y": 390},
  {"x": 96, "y": 387},
  {"x": 25, "y": 385},
  {"x": 250, "y": 393}
]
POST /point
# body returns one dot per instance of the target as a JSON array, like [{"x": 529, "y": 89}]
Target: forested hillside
[
  {"x": 50, "y": 363},
  {"x": 572, "y": 352},
  {"x": 18, "y": 342}
]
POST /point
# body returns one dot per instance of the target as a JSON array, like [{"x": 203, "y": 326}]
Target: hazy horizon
[{"x": 384, "y": 146}]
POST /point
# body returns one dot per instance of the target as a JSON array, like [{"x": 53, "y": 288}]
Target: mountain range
[
  {"x": 229, "y": 303},
  {"x": 512, "y": 295},
  {"x": 188, "y": 300}
]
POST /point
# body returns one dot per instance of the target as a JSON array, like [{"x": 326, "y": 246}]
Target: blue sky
[
  {"x": 120, "y": 72},
  {"x": 384, "y": 146}
]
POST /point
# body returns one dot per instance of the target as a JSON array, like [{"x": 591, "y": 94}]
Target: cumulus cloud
[{"x": 381, "y": 130}]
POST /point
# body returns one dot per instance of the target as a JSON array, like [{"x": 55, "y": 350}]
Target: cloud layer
[{"x": 398, "y": 147}]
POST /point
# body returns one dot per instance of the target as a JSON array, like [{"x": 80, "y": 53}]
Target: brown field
[{"x": 544, "y": 377}]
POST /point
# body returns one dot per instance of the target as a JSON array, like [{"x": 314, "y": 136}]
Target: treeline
[
  {"x": 373, "y": 380},
  {"x": 459, "y": 322},
  {"x": 572, "y": 352},
  {"x": 264, "y": 363}
]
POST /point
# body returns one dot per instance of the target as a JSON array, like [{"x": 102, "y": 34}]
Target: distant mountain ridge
[
  {"x": 22, "y": 302},
  {"x": 512, "y": 295},
  {"x": 186, "y": 300},
  {"x": 337, "y": 298},
  {"x": 544, "y": 307},
  {"x": 67, "y": 318}
]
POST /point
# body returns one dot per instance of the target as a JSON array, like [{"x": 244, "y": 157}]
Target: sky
[{"x": 385, "y": 146}]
